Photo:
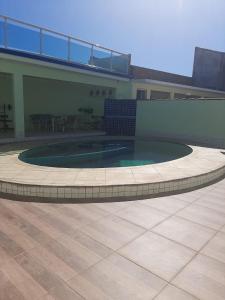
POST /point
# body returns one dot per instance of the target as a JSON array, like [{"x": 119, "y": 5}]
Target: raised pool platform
[{"x": 203, "y": 166}]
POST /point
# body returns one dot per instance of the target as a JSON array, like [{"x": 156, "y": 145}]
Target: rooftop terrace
[{"x": 45, "y": 43}]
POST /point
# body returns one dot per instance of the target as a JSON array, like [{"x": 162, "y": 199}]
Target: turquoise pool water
[{"x": 104, "y": 153}]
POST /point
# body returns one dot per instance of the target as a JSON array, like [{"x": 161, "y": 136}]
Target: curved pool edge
[
  {"x": 202, "y": 167},
  {"x": 53, "y": 159},
  {"x": 107, "y": 193}
]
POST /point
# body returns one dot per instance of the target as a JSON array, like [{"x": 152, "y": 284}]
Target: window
[{"x": 141, "y": 94}]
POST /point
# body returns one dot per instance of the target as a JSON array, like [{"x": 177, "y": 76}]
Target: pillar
[
  {"x": 172, "y": 95},
  {"x": 18, "y": 105}
]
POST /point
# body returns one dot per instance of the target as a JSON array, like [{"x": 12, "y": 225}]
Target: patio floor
[{"x": 169, "y": 248}]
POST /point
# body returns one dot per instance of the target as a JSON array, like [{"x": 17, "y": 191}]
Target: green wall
[
  {"x": 6, "y": 93},
  {"x": 60, "y": 98},
  {"x": 55, "y": 89},
  {"x": 196, "y": 120}
]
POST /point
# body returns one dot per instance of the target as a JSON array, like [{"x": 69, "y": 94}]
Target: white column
[
  {"x": 172, "y": 95},
  {"x": 18, "y": 105}
]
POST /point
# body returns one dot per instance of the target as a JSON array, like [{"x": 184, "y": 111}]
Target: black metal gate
[{"x": 120, "y": 117}]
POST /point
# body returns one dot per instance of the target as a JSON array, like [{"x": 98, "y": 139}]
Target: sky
[{"x": 159, "y": 34}]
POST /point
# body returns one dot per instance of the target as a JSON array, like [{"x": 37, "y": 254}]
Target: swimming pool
[{"x": 104, "y": 153}]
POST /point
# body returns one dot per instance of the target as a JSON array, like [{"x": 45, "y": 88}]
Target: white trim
[
  {"x": 165, "y": 83},
  {"x": 33, "y": 61}
]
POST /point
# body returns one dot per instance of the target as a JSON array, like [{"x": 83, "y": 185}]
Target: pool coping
[{"x": 201, "y": 167}]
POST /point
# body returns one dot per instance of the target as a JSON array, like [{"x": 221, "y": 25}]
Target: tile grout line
[
  {"x": 170, "y": 284},
  {"x": 195, "y": 255},
  {"x": 160, "y": 210}
]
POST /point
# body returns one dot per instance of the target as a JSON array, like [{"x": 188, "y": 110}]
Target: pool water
[{"x": 104, "y": 153}]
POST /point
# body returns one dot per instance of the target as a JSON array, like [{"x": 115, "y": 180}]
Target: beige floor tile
[
  {"x": 88, "y": 242},
  {"x": 85, "y": 250},
  {"x": 168, "y": 204},
  {"x": 203, "y": 215},
  {"x": 117, "y": 278},
  {"x": 217, "y": 193},
  {"x": 146, "y": 169},
  {"x": 4, "y": 256},
  {"x": 223, "y": 229},
  {"x": 217, "y": 203},
  {"x": 173, "y": 293},
  {"x": 185, "y": 232},
  {"x": 216, "y": 247},
  {"x": 220, "y": 191},
  {"x": 142, "y": 215},
  {"x": 116, "y": 177},
  {"x": 112, "y": 207},
  {"x": 54, "y": 251},
  {"x": 158, "y": 255},
  {"x": 61, "y": 179},
  {"x": 14, "y": 233},
  {"x": 188, "y": 197},
  {"x": 30, "y": 224},
  {"x": 118, "y": 180},
  {"x": 8, "y": 290},
  {"x": 24, "y": 283},
  {"x": 90, "y": 176},
  {"x": 47, "y": 297},
  {"x": 204, "y": 278},
  {"x": 147, "y": 177},
  {"x": 53, "y": 263},
  {"x": 63, "y": 292},
  {"x": 113, "y": 232},
  {"x": 74, "y": 215}
]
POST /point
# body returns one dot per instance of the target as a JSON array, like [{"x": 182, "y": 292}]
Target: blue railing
[{"x": 18, "y": 35}]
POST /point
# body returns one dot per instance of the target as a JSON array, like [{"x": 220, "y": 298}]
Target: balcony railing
[{"x": 21, "y": 36}]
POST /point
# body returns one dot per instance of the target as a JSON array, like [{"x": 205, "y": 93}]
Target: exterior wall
[
  {"x": 6, "y": 95},
  {"x": 172, "y": 90},
  {"x": 49, "y": 88},
  {"x": 209, "y": 69},
  {"x": 148, "y": 87},
  {"x": 200, "y": 121},
  {"x": 38, "y": 95},
  {"x": 44, "y": 96},
  {"x": 123, "y": 90}
]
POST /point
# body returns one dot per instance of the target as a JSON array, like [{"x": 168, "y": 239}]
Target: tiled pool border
[
  {"x": 111, "y": 191},
  {"x": 122, "y": 190}
]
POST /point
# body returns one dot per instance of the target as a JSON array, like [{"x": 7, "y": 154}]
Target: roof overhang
[
  {"x": 177, "y": 85},
  {"x": 49, "y": 62}
]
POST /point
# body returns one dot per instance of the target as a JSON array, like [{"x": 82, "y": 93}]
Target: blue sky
[{"x": 160, "y": 34}]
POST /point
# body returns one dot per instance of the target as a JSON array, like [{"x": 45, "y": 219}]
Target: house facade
[{"x": 47, "y": 79}]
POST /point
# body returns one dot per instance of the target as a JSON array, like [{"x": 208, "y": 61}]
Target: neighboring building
[
  {"x": 209, "y": 69},
  {"x": 37, "y": 78},
  {"x": 208, "y": 80}
]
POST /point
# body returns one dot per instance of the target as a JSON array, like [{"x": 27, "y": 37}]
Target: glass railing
[
  {"x": 1, "y": 32},
  {"x": 25, "y": 37}
]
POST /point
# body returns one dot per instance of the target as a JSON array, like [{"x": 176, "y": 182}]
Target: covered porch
[
  {"x": 6, "y": 106},
  {"x": 53, "y": 107},
  {"x": 38, "y": 103},
  {"x": 39, "y": 107}
]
